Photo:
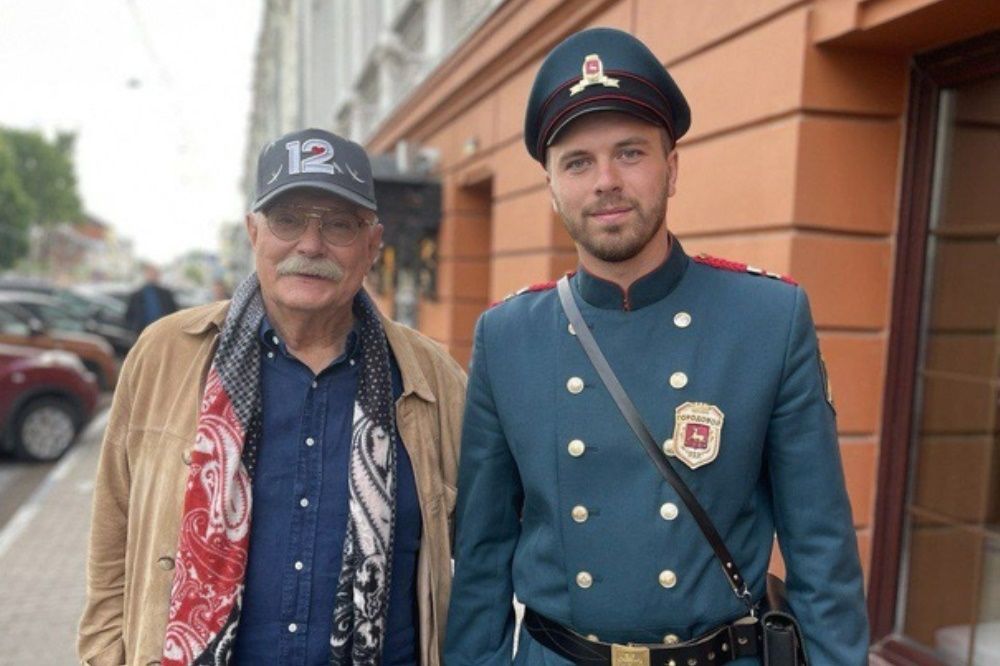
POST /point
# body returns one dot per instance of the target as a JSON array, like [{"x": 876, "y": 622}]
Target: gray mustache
[{"x": 323, "y": 268}]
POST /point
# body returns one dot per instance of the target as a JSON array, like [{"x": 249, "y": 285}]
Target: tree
[
  {"x": 17, "y": 210},
  {"x": 46, "y": 172}
]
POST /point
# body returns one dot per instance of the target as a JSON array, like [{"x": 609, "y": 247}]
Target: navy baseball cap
[
  {"x": 318, "y": 160},
  {"x": 601, "y": 69}
]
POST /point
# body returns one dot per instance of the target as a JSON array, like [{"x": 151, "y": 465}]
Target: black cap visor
[{"x": 323, "y": 186}]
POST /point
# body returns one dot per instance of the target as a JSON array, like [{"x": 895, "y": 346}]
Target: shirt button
[
  {"x": 668, "y": 447},
  {"x": 584, "y": 579},
  {"x": 351, "y": 361},
  {"x": 275, "y": 340},
  {"x": 165, "y": 563},
  {"x": 303, "y": 502},
  {"x": 298, "y": 566},
  {"x": 270, "y": 354},
  {"x": 668, "y": 578},
  {"x": 572, "y": 331},
  {"x": 292, "y": 628},
  {"x": 668, "y": 511},
  {"x": 576, "y": 448},
  {"x": 671, "y": 639},
  {"x": 682, "y": 320},
  {"x": 678, "y": 380},
  {"x": 310, "y": 441},
  {"x": 574, "y": 385},
  {"x": 315, "y": 384},
  {"x": 580, "y": 513}
]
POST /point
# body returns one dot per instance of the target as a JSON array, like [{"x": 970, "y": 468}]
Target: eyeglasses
[{"x": 337, "y": 227}]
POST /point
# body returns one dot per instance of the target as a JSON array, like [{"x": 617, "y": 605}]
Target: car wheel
[{"x": 44, "y": 428}]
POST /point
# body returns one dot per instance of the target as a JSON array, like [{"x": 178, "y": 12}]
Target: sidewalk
[{"x": 43, "y": 551}]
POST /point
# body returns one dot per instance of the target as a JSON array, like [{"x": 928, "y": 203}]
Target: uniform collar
[{"x": 648, "y": 289}]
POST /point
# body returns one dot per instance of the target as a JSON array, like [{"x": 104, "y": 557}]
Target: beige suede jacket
[{"x": 143, "y": 469}]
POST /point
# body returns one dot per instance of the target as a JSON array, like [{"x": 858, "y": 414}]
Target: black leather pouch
[{"x": 782, "y": 636}]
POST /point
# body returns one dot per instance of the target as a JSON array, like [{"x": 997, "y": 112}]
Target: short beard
[
  {"x": 322, "y": 268},
  {"x": 623, "y": 247}
]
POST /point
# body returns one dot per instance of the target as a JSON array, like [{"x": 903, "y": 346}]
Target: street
[{"x": 44, "y": 523}]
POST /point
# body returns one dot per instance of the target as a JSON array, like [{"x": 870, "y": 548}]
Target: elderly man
[
  {"x": 278, "y": 471},
  {"x": 560, "y": 502}
]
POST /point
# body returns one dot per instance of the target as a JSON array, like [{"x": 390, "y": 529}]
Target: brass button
[
  {"x": 671, "y": 639},
  {"x": 668, "y": 447},
  {"x": 574, "y": 385},
  {"x": 186, "y": 456},
  {"x": 668, "y": 511},
  {"x": 592, "y": 637},
  {"x": 572, "y": 331},
  {"x": 580, "y": 513},
  {"x": 678, "y": 380},
  {"x": 682, "y": 320},
  {"x": 165, "y": 563},
  {"x": 668, "y": 578},
  {"x": 576, "y": 448},
  {"x": 584, "y": 579}
]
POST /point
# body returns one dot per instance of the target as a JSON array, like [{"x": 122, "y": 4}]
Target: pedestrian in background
[
  {"x": 149, "y": 302},
  {"x": 559, "y": 503},
  {"x": 278, "y": 472}
]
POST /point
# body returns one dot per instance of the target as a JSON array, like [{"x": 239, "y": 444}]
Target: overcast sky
[{"x": 158, "y": 92}]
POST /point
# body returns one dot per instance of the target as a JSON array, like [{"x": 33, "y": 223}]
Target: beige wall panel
[
  {"x": 771, "y": 251},
  {"x": 433, "y": 317},
  {"x": 847, "y": 279},
  {"x": 523, "y": 222},
  {"x": 966, "y": 285},
  {"x": 859, "y": 473},
  {"x": 856, "y": 365},
  {"x": 463, "y": 279},
  {"x": 675, "y": 28},
  {"x": 737, "y": 182},
  {"x": 954, "y": 404},
  {"x": 515, "y": 170},
  {"x": 971, "y": 354},
  {"x": 855, "y": 81},
  {"x": 618, "y": 15},
  {"x": 972, "y": 197},
  {"x": 737, "y": 82},
  {"x": 477, "y": 124},
  {"x": 941, "y": 590},
  {"x": 956, "y": 477},
  {"x": 512, "y": 100},
  {"x": 847, "y": 174},
  {"x": 464, "y": 236},
  {"x": 511, "y": 273}
]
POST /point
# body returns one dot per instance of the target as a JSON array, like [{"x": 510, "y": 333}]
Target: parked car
[
  {"x": 62, "y": 312},
  {"x": 20, "y": 327},
  {"x": 46, "y": 397}
]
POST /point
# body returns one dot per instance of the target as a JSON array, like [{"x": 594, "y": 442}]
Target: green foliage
[
  {"x": 17, "y": 210},
  {"x": 46, "y": 172}
]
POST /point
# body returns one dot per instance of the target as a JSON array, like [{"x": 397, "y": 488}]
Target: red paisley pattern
[{"x": 214, "y": 534}]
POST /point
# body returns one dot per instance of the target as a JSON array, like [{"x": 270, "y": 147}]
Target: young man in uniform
[{"x": 558, "y": 502}]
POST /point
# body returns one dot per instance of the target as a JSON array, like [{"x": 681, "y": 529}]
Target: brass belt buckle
[{"x": 629, "y": 655}]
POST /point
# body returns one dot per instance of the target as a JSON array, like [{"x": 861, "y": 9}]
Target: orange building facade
[{"x": 853, "y": 144}]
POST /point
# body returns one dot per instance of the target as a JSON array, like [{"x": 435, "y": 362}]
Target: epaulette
[
  {"x": 737, "y": 267},
  {"x": 538, "y": 286}
]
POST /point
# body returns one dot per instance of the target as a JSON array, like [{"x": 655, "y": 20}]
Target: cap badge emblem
[
  {"x": 697, "y": 433},
  {"x": 593, "y": 75}
]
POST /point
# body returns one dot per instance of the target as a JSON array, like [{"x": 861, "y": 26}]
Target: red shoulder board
[
  {"x": 737, "y": 267},
  {"x": 538, "y": 286}
]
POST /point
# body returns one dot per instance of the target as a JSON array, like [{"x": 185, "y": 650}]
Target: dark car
[
  {"x": 57, "y": 315},
  {"x": 20, "y": 327},
  {"x": 81, "y": 310},
  {"x": 46, "y": 397}
]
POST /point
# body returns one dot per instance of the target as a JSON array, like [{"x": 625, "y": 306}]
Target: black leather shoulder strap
[{"x": 638, "y": 426}]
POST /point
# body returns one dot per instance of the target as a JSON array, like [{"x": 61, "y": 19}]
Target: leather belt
[{"x": 719, "y": 646}]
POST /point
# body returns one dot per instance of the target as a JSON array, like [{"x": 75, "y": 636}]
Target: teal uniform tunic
[{"x": 559, "y": 504}]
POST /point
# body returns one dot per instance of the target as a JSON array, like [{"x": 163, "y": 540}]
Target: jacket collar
[
  {"x": 646, "y": 290},
  {"x": 414, "y": 380}
]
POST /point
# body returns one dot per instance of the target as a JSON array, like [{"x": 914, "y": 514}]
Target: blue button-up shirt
[{"x": 300, "y": 510}]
